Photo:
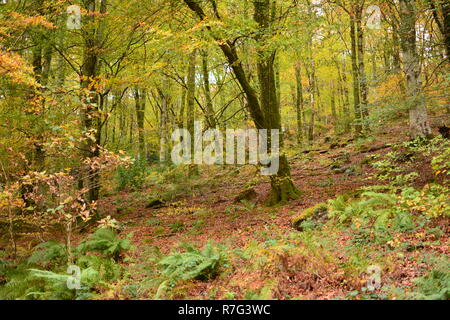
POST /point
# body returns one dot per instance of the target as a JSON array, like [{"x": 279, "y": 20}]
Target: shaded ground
[{"x": 325, "y": 265}]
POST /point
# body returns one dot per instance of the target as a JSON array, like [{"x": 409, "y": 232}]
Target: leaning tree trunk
[
  {"x": 418, "y": 117},
  {"x": 283, "y": 188},
  {"x": 443, "y": 9}
]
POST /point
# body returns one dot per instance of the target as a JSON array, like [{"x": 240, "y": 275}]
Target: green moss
[{"x": 308, "y": 213}]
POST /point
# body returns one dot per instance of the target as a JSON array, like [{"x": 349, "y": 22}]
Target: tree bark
[
  {"x": 418, "y": 117},
  {"x": 140, "y": 97},
  {"x": 90, "y": 113},
  {"x": 299, "y": 101},
  {"x": 361, "y": 63},
  {"x": 210, "y": 118},
  {"x": 356, "y": 81},
  {"x": 264, "y": 112},
  {"x": 190, "y": 110}
]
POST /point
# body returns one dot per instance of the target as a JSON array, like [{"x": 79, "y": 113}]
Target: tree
[
  {"x": 418, "y": 117},
  {"x": 264, "y": 109}
]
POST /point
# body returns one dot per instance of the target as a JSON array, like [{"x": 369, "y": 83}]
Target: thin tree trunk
[
  {"x": 164, "y": 123},
  {"x": 193, "y": 169},
  {"x": 209, "y": 104},
  {"x": 299, "y": 101},
  {"x": 140, "y": 96},
  {"x": 333, "y": 105},
  {"x": 356, "y": 83}
]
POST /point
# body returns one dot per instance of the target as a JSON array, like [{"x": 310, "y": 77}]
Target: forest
[{"x": 224, "y": 150}]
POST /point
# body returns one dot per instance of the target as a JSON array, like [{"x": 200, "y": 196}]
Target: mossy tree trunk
[
  {"x": 264, "y": 109},
  {"x": 356, "y": 80},
  {"x": 299, "y": 101},
  {"x": 418, "y": 117},
  {"x": 91, "y": 108}
]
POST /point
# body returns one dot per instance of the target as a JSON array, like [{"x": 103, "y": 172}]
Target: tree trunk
[
  {"x": 140, "y": 102},
  {"x": 265, "y": 113},
  {"x": 190, "y": 110},
  {"x": 443, "y": 9},
  {"x": 90, "y": 113},
  {"x": 333, "y": 105},
  {"x": 395, "y": 48},
  {"x": 356, "y": 84},
  {"x": 362, "y": 71},
  {"x": 282, "y": 187},
  {"x": 164, "y": 123},
  {"x": 210, "y": 116},
  {"x": 299, "y": 101},
  {"x": 418, "y": 117}
]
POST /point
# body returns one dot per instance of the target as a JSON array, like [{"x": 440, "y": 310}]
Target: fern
[
  {"x": 106, "y": 242},
  {"x": 433, "y": 286},
  {"x": 47, "y": 253},
  {"x": 18, "y": 285},
  {"x": 193, "y": 264},
  {"x": 56, "y": 288},
  {"x": 106, "y": 268}
]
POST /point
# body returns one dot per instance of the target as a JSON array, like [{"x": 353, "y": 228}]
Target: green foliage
[
  {"x": 265, "y": 293},
  {"x": 432, "y": 201},
  {"x": 107, "y": 269},
  {"x": 433, "y": 286},
  {"x": 177, "y": 227},
  {"x": 376, "y": 216},
  {"x": 318, "y": 209},
  {"x": 48, "y": 253},
  {"x": 193, "y": 263},
  {"x": 389, "y": 170},
  {"x": 132, "y": 177},
  {"x": 18, "y": 284},
  {"x": 438, "y": 148},
  {"x": 373, "y": 205},
  {"x": 246, "y": 205},
  {"x": 106, "y": 242},
  {"x": 153, "y": 222},
  {"x": 54, "y": 285},
  {"x": 441, "y": 163},
  {"x": 96, "y": 271}
]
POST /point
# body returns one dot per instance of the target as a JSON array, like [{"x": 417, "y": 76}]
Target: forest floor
[{"x": 266, "y": 257}]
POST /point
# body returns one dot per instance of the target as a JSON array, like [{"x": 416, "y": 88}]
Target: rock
[
  {"x": 318, "y": 213},
  {"x": 445, "y": 132},
  {"x": 248, "y": 194},
  {"x": 155, "y": 204},
  {"x": 405, "y": 157}
]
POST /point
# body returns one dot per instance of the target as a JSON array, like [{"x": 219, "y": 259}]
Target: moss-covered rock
[
  {"x": 247, "y": 195},
  {"x": 155, "y": 203},
  {"x": 317, "y": 212}
]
